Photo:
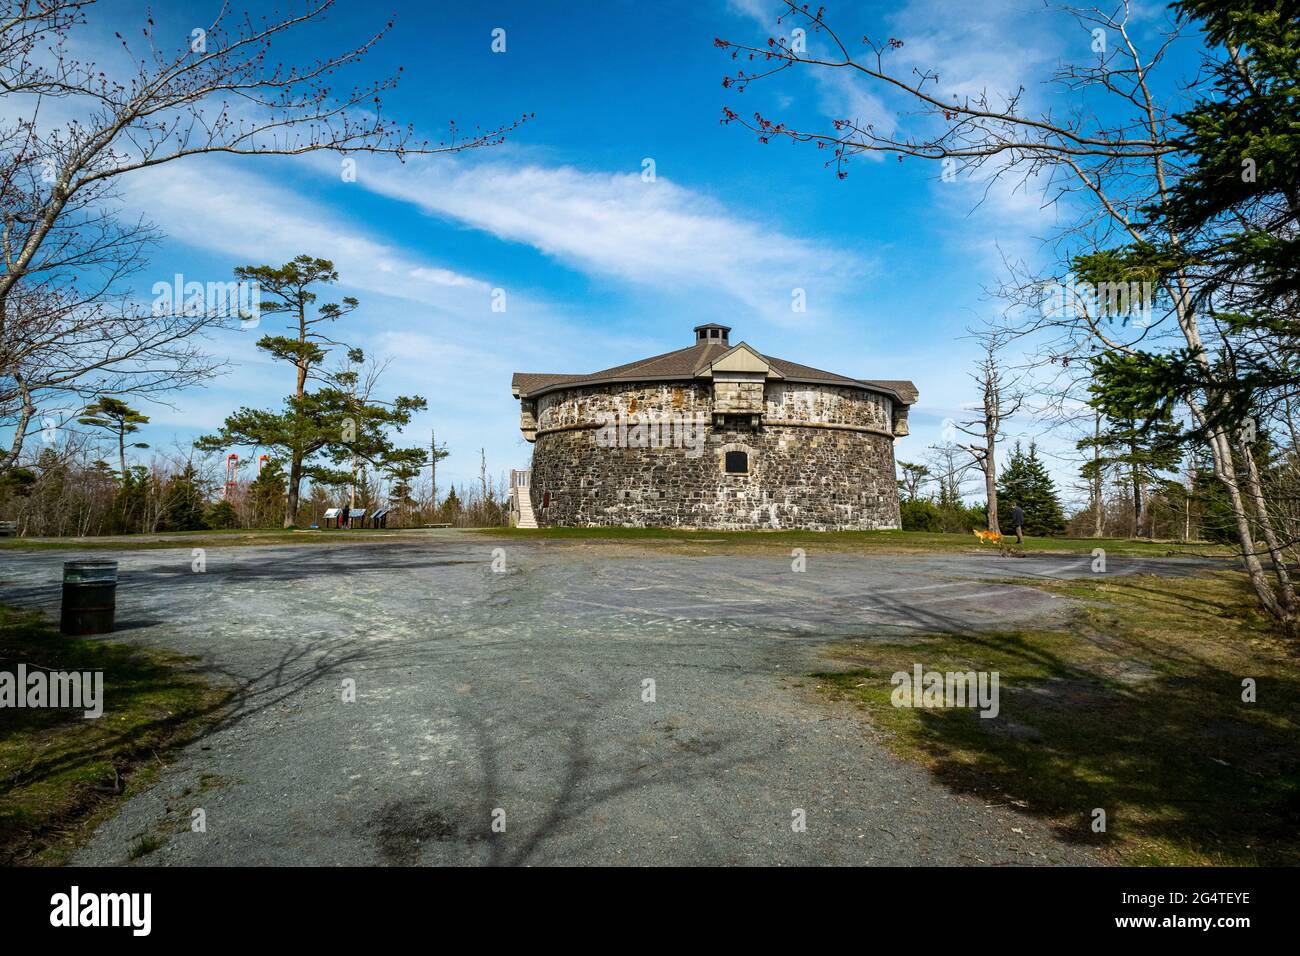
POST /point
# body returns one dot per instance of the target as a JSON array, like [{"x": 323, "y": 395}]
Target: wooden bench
[{"x": 8, "y": 529}]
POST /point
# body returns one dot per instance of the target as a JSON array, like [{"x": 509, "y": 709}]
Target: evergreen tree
[
  {"x": 183, "y": 505},
  {"x": 310, "y": 422},
  {"x": 1140, "y": 451},
  {"x": 222, "y": 515},
  {"x": 401, "y": 491},
  {"x": 1210, "y": 497},
  {"x": 327, "y": 434},
  {"x": 917, "y": 514},
  {"x": 1217, "y": 523},
  {"x": 266, "y": 495},
  {"x": 451, "y": 507},
  {"x": 1230, "y": 221},
  {"x": 1243, "y": 140},
  {"x": 1025, "y": 480},
  {"x": 289, "y": 291},
  {"x": 118, "y": 418},
  {"x": 131, "y": 501},
  {"x": 18, "y": 482}
]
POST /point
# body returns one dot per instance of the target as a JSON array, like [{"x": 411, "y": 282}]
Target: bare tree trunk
[
  {"x": 482, "y": 475},
  {"x": 1098, "y": 484},
  {"x": 1256, "y": 495},
  {"x": 1001, "y": 398},
  {"x": 1225, "y": 470},
  {"x": 1136, "y": 479},
  {"x": 10, "y": 458},
  {"x": 991, "y": 479}
]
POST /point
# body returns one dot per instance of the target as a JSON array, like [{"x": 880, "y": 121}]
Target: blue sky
[{"x": 599, "y": 266}]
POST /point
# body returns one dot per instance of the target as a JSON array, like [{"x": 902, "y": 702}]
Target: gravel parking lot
[{"x": 517, "y": 697}]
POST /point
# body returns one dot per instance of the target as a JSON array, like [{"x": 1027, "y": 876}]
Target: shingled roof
[{"x": 688, "y": 363}]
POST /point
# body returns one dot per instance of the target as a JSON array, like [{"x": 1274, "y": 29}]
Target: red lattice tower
[{"x": 232, "y": 476}]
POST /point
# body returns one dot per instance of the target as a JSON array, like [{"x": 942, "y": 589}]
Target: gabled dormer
[{"x": 740, "y": 376}]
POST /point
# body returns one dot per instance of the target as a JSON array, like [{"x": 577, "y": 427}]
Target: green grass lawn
[
  {"x": 60, "y": 773},
  {"x": 865, "y": 541},
  {"x": 1136, "y": 708},
  {"x": 225, "y": 538},
  {"x": 670, "y": 539}
]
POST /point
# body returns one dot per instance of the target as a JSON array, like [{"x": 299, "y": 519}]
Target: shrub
[
  {"x": 920, "y": 515},
  {"x": 221, "y": 515}
]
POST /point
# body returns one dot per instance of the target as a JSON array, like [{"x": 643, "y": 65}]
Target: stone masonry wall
[
  {"x": 817, "y": 478},
  {"x": 797, "y": 401}
]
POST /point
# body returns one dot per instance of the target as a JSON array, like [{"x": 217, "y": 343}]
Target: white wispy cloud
[
  {"x": 227, "y": 208},
  {"x": 762, "y": 12},
  {"x": 998, "y": 51},
  {"x": 648, "y": 232},
  {"x": 433, "y": 323},
  {"x": 971, "y": 57}
]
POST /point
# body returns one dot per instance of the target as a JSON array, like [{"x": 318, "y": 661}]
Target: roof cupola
[{"x": 711, "y": 333}]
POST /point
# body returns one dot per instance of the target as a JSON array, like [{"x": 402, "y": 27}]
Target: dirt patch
[{"x": 402, "y": 827}]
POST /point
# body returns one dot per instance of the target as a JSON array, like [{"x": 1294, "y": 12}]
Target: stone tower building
[{"x": 713, "y": 436}]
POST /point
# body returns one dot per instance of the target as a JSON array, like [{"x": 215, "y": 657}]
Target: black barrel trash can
[{"x": 89, "y": 597}]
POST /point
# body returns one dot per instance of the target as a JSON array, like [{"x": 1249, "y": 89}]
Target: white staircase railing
[{"x": 521, "y": 505}]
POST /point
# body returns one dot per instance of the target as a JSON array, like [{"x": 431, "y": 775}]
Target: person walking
[{"x": 1018, "y": 522}]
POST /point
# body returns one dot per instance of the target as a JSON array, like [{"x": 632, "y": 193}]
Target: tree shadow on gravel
[
  {"x": 1135, "y": 709},
  {"x": 587, "y": 781}
]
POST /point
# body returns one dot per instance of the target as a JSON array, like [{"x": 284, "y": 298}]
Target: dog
[{"x": 987, "y": 537}]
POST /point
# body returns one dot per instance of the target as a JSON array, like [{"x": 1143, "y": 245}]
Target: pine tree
[
  {"x": 1242, "y": 137},
  {"x": 451, "y": 507},
  {"x": 266, "y": 495},
  {"x": 401, "y": 492},
  {"x": 328, "y": 434},
  {"x": 222, "y": 515},
  {"x": 1025, "y": 480},
  {"x": 119, "y": 419},
  {"x": 183, "y": 504},
  {"x": 316, "y": 433},
  {"x": 1140, "y": 440},
  {"x": 131, "y": 501},
  {"x": 1139, "y": 452}
]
